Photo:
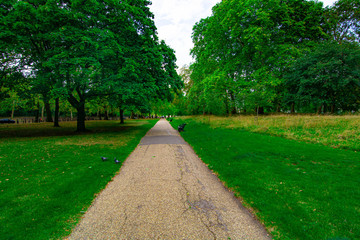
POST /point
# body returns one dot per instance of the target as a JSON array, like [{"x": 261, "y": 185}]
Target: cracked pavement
[{"x": 164, "y": 191}]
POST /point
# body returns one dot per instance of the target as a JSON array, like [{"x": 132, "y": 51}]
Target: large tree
[
  {"x": 89, "y": 49},
  {"x": 326, "y": 75},
  {"x": 244, "y": 49},
  {"x": 329, "y": 75}
]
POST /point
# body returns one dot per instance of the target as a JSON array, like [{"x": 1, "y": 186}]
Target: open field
[
  {"x": 299, "y": 190},
  {"x": 49, "y": 176},
  {"x": 334, "y": 131}
]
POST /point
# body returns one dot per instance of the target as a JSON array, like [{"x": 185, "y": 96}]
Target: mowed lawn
[
  {"x": 49, "y": 176},
  {"x": 334, "y": 131},
  {"x": 298, "y": 190}
]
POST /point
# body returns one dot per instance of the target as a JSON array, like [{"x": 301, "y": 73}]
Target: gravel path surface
[{"x": 164, "y": 191}]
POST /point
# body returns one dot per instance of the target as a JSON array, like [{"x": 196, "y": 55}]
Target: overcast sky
[{"x": 175, "y": 19}]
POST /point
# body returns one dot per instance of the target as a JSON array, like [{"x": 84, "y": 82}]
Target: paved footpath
[{"x": 164, "y": 191}]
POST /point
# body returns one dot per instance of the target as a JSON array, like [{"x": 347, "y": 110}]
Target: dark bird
[
  {"x": 116, "y": 161},
  {"x": 104, "y": 159},
  {"x": 181, "y": 127}
]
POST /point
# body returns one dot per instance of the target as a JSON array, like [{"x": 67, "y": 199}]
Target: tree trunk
[
  {"x": 48, "y": 111},
  {"x": 13, "y": 110},
  {"x": 132, "y": 116},
  {"x": 319, "y": 109},
  {"x": 106, "y": 117},
  {"x": 121, "y": 116},
  {"x": 42, "y": 113},
  {"x": 227, "y": 107},
  {"x": 81, "y": 117},
  {"x": 332, "y": 108},
  {"x": 292, "y": 111},
  {"x": 261, "y": 110},
  {"x": 233, "y": 110},
  {"x": 278, "y": 108},
  {"x": 79, "y": 105},
  {"x": 233, "y": 106},
  {"x": 111, "y": 114},
  {"x": 99, "y": 114},
  {"x": 37, "y": 114},
  {"x": 56, "y": 122}
]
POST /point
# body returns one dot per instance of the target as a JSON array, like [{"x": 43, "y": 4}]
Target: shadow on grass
[{"x": 66, "y": 129}]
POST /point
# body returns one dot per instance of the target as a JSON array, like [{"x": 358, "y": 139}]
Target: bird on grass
[
  {"x": 116, "y": 161},
  {"x": 104, "y": 159}
]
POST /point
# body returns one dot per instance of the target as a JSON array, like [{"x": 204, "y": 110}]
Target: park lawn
[
  {"x": 334, "y": 131},
  {"x": 298, "y": 190},
  {"x": 49, "y": 176}
]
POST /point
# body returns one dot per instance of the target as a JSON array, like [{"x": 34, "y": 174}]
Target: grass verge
[
  {"x": 49, "y": 176},
  {"x": 298, "y": 190}
]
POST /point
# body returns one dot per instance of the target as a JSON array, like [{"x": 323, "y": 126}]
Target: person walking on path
[{"x": 164, "y": 191}]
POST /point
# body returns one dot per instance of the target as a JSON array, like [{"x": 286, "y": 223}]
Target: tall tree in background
[
  {"x": 243, "y": 50},
  {"x": 329, "y": 75},
  {"x": 344, "y": 19}
]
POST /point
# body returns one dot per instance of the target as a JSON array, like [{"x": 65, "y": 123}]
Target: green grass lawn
[
  {"x": 49, "y": 176},
  {"x": 334, "y": 131},
  {"x": 299, "y": 190}
]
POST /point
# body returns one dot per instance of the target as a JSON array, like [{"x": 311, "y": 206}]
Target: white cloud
[
  {"x": 328, "y": 2},
  {"x": 175, "y": 19}
]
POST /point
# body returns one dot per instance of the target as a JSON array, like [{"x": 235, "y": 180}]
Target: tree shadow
[{"x": 32, "y": 131}]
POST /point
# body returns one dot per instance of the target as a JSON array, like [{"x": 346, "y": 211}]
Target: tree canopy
[
  {"x": 327, "y": 76},
  {"x": 244, "y": 53},
  {"x": 82, "y": 50}
]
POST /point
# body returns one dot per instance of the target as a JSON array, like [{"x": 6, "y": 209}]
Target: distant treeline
[{"x": 275, "y": 56}]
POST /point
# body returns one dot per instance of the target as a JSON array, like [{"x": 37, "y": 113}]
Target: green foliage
[
  {"x": 49, "y": 176},
  {"x": 83, "y": 50},
  {"x": 163, "y": 108},
  {"x": 298, "y": 190},
  {"x": 329, "y": 74},
  {"x": 246, "y": 45},
  {"x": 344, "y": 20},
  {"x": 214, "y": 93},
  {"x": 246, "y": 49}
]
